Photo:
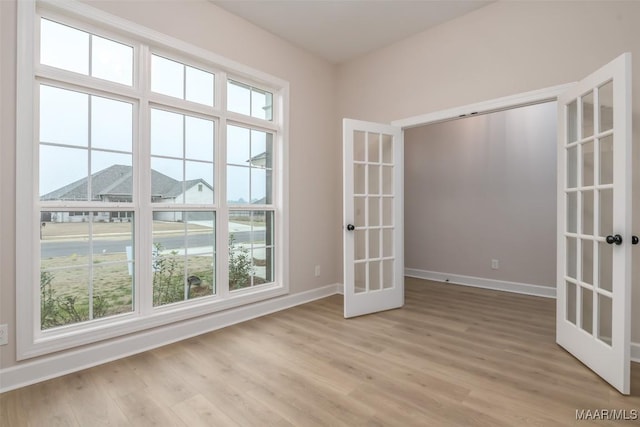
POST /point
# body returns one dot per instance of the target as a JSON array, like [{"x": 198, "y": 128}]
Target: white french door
[
  {"x": 593, "y": 319},
  {"x": 373, "y": 218}
]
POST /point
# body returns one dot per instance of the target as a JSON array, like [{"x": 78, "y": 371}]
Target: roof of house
[{"x": 117, "y": 180}]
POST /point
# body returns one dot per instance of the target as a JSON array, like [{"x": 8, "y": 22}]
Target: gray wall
[
  {"x": 483, "y": 188},
  {"x": 502, "y": 49}
]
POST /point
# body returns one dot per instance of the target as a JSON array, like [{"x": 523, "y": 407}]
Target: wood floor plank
[{"x": 452, "y": 356}]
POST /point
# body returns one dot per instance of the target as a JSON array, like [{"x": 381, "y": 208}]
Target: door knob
[
  {"x": 617, "y": 239},
  {"x": 350, "y": 227},
  {"x": 634, "y": 240}
]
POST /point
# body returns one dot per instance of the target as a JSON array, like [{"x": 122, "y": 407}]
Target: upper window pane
[
  {"x": 111, "y": 124},
  {"x": 199, "y": 86},
  {"x": 178, "y": 80},
  {"x": 182, "y": 152},
  {"x": 74, "y": 50},
  {"x": 247, "y": 100},
  {"x": 249, "y": 166},
  {"x": 111, "y": 61},
  {"x": 64, "y": 47},
  {"x": 167, "y": 77},
  {"x": 64, "y": 116}
]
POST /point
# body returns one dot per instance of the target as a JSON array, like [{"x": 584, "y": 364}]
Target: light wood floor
[{"x": 452, "y": 356}]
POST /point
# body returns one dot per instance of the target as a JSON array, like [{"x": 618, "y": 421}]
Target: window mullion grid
[
  {"x": 141, "y": 205},
  {"x": 90, "y": 198},
  {"x": 222, "y": 215},
  {"x": 144, "y": 210}
]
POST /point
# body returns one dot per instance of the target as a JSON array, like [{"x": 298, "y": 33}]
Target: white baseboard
[
  {"x": 635, "y": 352},
  {"x": 479, "y": 282},
  {"x": 53, "y": 366}
]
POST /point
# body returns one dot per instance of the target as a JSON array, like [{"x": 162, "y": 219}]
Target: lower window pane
[
  {"x": 251, "y": 249},
  {"x": 183, "y": 256},
  {"x": 86, "y": 266}
]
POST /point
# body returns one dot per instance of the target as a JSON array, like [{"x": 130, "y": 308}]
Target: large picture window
[{"x": 153, "y": 201}]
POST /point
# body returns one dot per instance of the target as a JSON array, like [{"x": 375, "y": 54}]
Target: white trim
[
  {"x": 635, "y": 352},
  {"x": 480, "y": 282},
  {"x": 75, "y": 360},
  {"x": 513, "y": 101}
]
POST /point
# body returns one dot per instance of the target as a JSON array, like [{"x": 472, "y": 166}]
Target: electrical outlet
[
  {"x": 317, "y": 271},
  {"x": 4, "y": 335},
  {"x": 494, "y": 264}
]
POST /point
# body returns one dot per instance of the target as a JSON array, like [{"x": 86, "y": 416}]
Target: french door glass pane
[
  {"x": 374, "y": 212},
  {"x": 605, "y": 266},
  {"x": 572, "y": 167},
  {"x": 587, "y": 212},
  {"x": 374, "y": 243},
  {"x": 387, "y": 242},
  {"x": 605, "y": 99},
  {"x": 387, "y": 149},
  {"x": 359, "y": 179},
  {"x": 571, "y": 302},
  {"x": 387, "y": 211},
  {"x": 606, "y": 160},
  {"x": 605, "y": 318},
  {"x": 360, "y": 277},
  {"x": 387, "y": 274},
  {"x": 587, "y": 115},
  {"x": 359, "y": 211},
  {"x": 387, "y": 180},
  {"x": 359, "y": 153},
  {"x": 587, "y": 310},
  {"x": 606, "y": 212},
  {"x": 373, "y": 179},
  {"x": 360, "y": 252},
  {"x": 572, "y": 212},
  {"x": 373, "y": 148},
  {"x": 587, "y": 261},
  {"x": 587, "y": 164},
  {"x": 572, "y": 257},
  {"x": 572, "y": 122},
  {"x": 375, "y": 282}
]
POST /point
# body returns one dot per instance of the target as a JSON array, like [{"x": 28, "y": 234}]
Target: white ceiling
[{"x": 339, "y": 30}]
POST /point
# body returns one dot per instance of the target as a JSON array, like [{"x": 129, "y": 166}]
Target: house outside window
[{"x": 157, "y": 172}]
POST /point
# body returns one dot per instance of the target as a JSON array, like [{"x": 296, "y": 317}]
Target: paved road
[{"x": 63, "y": 248}]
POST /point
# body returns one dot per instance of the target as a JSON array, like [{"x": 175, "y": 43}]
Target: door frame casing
[{"x": 499, "y": 104}]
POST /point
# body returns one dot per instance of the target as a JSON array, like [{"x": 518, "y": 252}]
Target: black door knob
[
  {"x": 634, "y": 240},
  {"x": 350, "y": 227},
  {"x": 617, "y": 239}
]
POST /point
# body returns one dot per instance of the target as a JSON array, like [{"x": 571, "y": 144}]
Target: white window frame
[{"x": 31, "y": 340}]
